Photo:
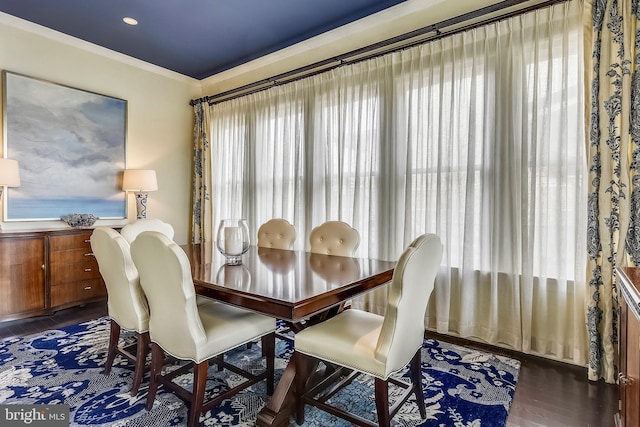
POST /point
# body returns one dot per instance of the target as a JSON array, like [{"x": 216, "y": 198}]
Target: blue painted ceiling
[{"x": 197, "y": 38}]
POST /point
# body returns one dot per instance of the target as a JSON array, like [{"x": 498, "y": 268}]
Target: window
[{"x": 477, "y": 137}]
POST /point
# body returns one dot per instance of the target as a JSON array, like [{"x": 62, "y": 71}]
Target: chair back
[
  {"x": 276, "y": 233},
  {"x": 412, "y": 283},
  {"x": 334, "y": 238},
  {"x": 165, "y": 276},
  {"x": 126, "y": 302},
  {"x": 131, "y": 231}
]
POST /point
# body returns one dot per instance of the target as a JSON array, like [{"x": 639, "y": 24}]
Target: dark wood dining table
[{"x": 298, "y": 287}]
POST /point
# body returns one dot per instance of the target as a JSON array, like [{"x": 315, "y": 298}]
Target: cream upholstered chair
[
  {"x": 334, "y": 238},
  {"x": 276, "y": 233},
  {"x": 131, "y": 231},
  {"x": 127, "y": 305},
  {"x": 372, "y": 344},
  {"x": 186, "y": 330}
]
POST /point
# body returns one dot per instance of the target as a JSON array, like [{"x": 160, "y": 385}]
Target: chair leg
[
  {"x": 382, "y": 402},
  {"x": 157, "y": 356},
  {"x": 416, "y": 380},
  {"x": 218, "y": 360},
  {"x": 300, "y": 360},
  {"x": 269, "y": 352},
  {"x": 197, "y": 397},
  {"x": 141, "y": 358},
  {"x": 114, "y": 337}
]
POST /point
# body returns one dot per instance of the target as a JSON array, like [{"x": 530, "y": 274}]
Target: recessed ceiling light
[{"x": 130, "y": 21}]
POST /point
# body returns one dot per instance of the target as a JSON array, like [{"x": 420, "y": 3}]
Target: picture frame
[{"x": 70, "y": 145}]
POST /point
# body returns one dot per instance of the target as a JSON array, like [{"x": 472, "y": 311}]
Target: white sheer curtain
[{"x": 478, "y": 137}]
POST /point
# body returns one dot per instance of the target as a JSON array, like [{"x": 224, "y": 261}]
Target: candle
[{"x": 233, "y": 240}]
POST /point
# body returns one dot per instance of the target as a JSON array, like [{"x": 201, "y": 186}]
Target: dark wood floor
[
  {"x": 554, "y": 394},
  {"x": 549, "y": 394}
]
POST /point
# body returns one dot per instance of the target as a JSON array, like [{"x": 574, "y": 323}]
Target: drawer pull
[
  {"x": 87, "y": 270},
  {"x": 89, "y": 254},
  {"x": 87, "y": 240},
  {"x": 87, "y": 288}
]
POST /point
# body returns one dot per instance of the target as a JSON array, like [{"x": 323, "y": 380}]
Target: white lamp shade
[
  {"x": 139, "y": 180},
  {"x": 9, "y": 173}
]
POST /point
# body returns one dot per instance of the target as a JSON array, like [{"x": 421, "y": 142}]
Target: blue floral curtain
[
  {"x": 201, "y": 230},
  {"x": 614, "y": 171}
]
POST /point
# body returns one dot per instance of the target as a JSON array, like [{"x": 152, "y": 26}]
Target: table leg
[{"x": 279, "y": 408}]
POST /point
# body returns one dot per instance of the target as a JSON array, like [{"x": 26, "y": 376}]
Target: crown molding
[{"x": 39, "y": 30}]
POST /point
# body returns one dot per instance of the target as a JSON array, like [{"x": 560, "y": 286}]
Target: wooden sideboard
[
  {"x": 45, "y": 271},
  {"x": 629, "y": 350}
]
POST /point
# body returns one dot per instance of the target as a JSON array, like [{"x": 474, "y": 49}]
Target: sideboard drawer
[
  {"x": 65, "y": 273},
  {"x": 70, "y": 241},
  {"x": 70, "y": 256},
  {"x": 77, "y": 292},
  {"x": 74, "y": 275}
]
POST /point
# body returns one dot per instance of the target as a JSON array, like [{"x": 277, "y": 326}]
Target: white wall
[{"x": 160, "y": 120}]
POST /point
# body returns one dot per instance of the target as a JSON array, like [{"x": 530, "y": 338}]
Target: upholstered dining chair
[
  {"x": 193, "y": 332},
  {"x": 126, "y": 303},
  {"x": 276, "y": 233},
  {"x": 368, "y": 343},
  {"x": 131, "y": 230},
  {"x": 334, "y": 238}
]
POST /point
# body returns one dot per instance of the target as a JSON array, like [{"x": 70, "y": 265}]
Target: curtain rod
[{"x": 381, "y": 48}]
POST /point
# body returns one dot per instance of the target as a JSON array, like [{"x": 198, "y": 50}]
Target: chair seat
[
  {"x": 137, "y": 321},
  {"x": 348, "y": 339},
  {"x": 226, "y": 327}
]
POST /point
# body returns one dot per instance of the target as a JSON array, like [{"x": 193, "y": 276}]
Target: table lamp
[
  {"x": 9, "y": 175},
  {"x": 141, "y": 182}
]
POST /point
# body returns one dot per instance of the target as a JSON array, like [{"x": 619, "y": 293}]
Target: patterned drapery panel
[
  {"x": 201, "y": 211},
  {"x": 614, "y": 163}
]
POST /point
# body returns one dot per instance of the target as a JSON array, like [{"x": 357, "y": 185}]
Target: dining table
[{"x": 297, "y": 287}]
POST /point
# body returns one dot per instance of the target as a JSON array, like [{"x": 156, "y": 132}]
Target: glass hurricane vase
[{"x": 233, "y": 240}]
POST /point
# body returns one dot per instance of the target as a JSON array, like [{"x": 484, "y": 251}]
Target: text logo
[{"x": 34, "y": 415}]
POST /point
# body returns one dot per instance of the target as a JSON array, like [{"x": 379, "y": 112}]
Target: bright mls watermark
[{"x": 34, "y": 415}]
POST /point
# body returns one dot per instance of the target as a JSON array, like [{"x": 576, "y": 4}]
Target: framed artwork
[{"x": 70, "y": 147}]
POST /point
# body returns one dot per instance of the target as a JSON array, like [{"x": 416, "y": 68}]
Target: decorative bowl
[{"x": 76, "y": 220}]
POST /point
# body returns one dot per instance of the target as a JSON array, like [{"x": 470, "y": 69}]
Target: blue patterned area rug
[{"x": 463, "y": 388}]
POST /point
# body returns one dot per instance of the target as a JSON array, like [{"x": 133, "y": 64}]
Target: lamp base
[{"x": 141, "y": 205}]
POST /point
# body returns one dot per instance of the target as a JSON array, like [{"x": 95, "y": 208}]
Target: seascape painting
[{"x": 70, "y": 146}]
